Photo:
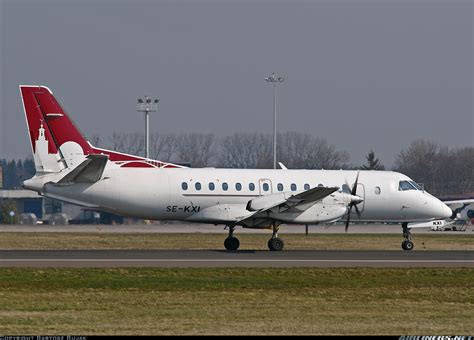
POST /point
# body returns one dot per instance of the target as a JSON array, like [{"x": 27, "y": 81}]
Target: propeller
[{"x": 354, "y": 201}]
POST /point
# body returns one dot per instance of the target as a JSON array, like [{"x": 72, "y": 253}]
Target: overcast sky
[{"x": 361, "y": 74}]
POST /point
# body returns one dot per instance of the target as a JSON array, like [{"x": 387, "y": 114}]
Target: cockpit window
[
  {"x": 406, "y": 185},
  {"x": 416, "y": 185}
]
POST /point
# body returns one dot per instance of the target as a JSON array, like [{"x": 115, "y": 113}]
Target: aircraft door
[{"x": 265, "y": 186}]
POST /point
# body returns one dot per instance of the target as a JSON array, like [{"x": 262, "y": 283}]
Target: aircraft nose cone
[{"x": 447, "y": 212}]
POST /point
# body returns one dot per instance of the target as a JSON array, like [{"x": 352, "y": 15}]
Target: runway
[{"x": 221, "y": 258}]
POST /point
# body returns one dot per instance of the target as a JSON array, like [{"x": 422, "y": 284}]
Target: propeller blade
[
  {"x": 354, "y": 188},
  {"x": 357, "y": 210},
  {"x": 347, "y": 187},
  {"x": 348, "y": 218},
  {"x": 353, "y": 204}
]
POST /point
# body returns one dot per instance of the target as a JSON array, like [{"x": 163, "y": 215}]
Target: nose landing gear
[{"x": 407, "y": 244}]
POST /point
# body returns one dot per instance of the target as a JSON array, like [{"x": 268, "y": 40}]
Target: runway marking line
[{"x": 231, "y": 260}]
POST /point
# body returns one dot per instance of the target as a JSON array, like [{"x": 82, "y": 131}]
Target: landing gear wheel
[
  {"x": 407, "y": 245},
  {"x": 276, "y": 244},
  {"x": 231, "y": 243}
]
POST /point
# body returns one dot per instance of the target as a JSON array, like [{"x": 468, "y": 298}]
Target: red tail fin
[{"x": 55, "y": 140}]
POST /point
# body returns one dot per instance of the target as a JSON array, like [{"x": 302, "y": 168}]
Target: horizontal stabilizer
[{"x": 89, "y": 171}]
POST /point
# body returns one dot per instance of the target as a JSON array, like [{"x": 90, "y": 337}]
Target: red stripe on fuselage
[{"x": 137, "y": 165}]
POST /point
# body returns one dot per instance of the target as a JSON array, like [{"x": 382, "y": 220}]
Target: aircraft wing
[
  {"x": 305, "y": 199},
  {"x": 278, "y": 203},
  {"x": 89, "y": 171}
]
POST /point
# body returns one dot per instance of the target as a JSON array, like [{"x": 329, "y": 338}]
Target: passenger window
[
  {"x": 197, "y": 186},
  {"x": 280, "y": 187},
  {"x": 377, "y": 190},
  {"x": 184, "y": 186},
  {"x": 293, "y": 187},
  {"x": 265, "y": 187},
  {"x": 238, "y": 186},
  {"x": 320, "y": 185},
  {"x": 251, "y": 186},
  {"x": 211, "y": 186},
  {"x": 306, "y": 186},
  {"x": 225, "y": 186}
]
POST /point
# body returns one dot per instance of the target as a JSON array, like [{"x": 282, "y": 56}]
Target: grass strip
[{"x": 428, "y": 301}]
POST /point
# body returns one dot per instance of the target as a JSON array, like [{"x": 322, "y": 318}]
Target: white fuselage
[{"x": 211, "y": 195}]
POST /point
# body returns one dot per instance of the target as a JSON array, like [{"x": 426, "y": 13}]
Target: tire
[
  {"x": 409, "y": 245},
  {"x": 276, "y": 244},
  {"x": 270, "y": 245},
  {"x": 404, "y": 245},
  {"x": 232, "y": 243}
]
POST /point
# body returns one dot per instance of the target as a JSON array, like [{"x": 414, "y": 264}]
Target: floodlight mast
[
  {"x": 274, "y": 80},
  {"x": 147, "y": 106}
]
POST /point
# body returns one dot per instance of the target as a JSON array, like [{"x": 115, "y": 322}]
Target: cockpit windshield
[
  {"x": 408, "y": 185},
  {"x": 416, "y": 185}
]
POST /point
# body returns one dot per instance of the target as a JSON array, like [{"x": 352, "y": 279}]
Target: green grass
[
  {"x": 99, "y": 240},
  {"x": 237, "y": 301}
]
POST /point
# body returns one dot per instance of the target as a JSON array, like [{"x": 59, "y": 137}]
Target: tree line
[{"x": 442, "y": 170}]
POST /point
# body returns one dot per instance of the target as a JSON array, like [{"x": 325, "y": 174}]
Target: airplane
[
  {"x": 463, "y": 209},
  {"x": 70, "y": 168}
]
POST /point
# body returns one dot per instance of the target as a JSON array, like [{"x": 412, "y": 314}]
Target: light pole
[
  {"x": 147, "y": 106},
  {"x": 274, "y": 79}
]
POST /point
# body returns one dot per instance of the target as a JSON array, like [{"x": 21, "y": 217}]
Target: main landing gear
[
  {"x": 231, "y": 242},
  {"x": 275, "y": 243},
  {"x": 407, "y": 244}
]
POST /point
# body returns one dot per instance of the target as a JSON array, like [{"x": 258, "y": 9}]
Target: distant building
[{"x": 27, "y": 201}]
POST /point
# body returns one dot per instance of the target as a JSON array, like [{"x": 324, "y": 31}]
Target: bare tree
[
  {"x": 464, "y": 165},
  {"x": 455, "y": 171},
  {"x": 297, "y": 150},
  {"x": 246, "y": 150},
  {"x": 97, "y": 141},
  {"x": 419, "y": 161},
  {"x": 197, "y": 149},
  {"x": 131, "y": 143},
  {"x": 164, "y": 147}
]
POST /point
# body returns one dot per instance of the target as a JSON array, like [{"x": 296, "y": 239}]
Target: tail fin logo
[{"x": 45, "y": 161}]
